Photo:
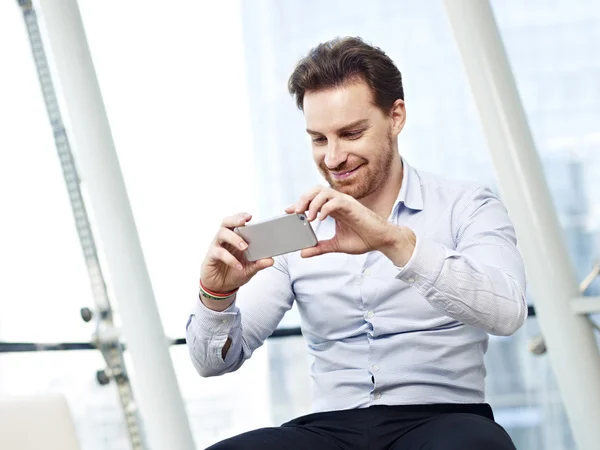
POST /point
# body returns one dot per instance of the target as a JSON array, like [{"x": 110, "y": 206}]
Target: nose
[{"x": 335, "y": 156}]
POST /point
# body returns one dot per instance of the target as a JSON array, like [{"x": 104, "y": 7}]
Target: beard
[{"x": 372, "y": 174}]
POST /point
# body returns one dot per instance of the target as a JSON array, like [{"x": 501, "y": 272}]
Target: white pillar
[
  {"x": 157, "y": 392},
  {"x": 571, "y": 346}
]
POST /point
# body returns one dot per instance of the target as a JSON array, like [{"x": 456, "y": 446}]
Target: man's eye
[
  {"x": 319, "y": 140},
  {"x": 353, "y": 134}
]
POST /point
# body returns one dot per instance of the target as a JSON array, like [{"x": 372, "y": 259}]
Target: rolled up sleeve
[
  {"x": 482, "y": 282},
  {"x": 257, "y": 310}
]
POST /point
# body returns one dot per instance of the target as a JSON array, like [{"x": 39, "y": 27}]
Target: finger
[
  {"x": 317, "y": 203},
  {"x": 237, "y": 220},
  {"x": 335, "y": 204},
  {"x": 226, "y": 236},
  {"x": 220, "y": 254},
  {"x": 290, "y": 209},
  {"x": 261, "y": 264},
  {"x": 302, "y": 204},
  {"x": 326, "y": 246}
]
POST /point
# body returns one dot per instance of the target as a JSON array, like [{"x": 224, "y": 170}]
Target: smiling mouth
[{"x": 346, "y": 174}]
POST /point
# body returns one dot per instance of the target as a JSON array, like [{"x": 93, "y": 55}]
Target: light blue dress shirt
[{"x": 381, "y": 334}]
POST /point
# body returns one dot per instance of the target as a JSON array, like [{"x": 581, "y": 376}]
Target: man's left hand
[{"x": 358, "y": 230}]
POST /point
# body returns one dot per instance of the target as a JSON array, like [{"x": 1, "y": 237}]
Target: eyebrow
[{"x": 350, "y": 126}]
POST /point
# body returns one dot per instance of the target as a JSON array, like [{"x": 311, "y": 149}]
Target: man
[{"x": 410, "y": 275}]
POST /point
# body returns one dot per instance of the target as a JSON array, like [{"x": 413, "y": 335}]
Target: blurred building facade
[{"x": 554, "y": 58}]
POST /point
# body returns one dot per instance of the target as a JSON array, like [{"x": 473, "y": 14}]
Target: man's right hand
[{"x": 224, "y": 268}]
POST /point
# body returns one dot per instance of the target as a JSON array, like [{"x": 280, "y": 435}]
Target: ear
[{"x": 398, "y": 116}]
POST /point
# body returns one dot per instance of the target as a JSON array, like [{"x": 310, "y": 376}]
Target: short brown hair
[{"x": 335, "y": 62}]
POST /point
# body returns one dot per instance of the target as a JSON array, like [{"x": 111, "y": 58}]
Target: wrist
[
  {"x": 401, "y": 246},
  {"x": 215, "y": 295},
  {"x": 217, "y": 301},
  {"x": 216, "y": 305}
]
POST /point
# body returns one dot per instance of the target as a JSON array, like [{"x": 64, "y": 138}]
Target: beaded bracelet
[{"x": 215, "y": 295}]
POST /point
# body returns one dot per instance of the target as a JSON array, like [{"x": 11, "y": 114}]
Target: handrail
[{"x": 21, "y": 347}]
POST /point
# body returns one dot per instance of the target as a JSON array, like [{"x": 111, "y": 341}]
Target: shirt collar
[{"x": 410, "y": 194}]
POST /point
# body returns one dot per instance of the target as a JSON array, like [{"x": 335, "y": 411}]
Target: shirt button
[
  {"x": 375, "y": 367},
  {"x": 367, "y": 272},
  {"x": 411, "y": 280},
  {"x": 370, "y": 314},
  {"x": 225, "y": 321},
  {"x": 377, "y": 395}
]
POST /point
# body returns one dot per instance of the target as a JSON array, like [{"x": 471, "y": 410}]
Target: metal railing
[{"x": 17, "y": 347}]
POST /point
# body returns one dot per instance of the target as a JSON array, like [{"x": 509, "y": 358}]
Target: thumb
[
  {"x": 326, "y": 246},
  {"x": 261, "y": 264}
]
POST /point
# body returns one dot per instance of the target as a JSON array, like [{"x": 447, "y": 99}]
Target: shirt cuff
[
  {"x": 214, "y": 328},
  {"x": 218, "y": 322},
  {"x": 425, "y": 265}
]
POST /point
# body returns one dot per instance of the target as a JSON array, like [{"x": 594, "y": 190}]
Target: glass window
[
  {"x": 204, "y": 127},
  {"x": 443, "y": 134}
]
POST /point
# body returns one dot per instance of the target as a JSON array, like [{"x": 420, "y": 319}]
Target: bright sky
[
  {"x": 175, "y": 90},
  {"x": 174, "y": 87}
]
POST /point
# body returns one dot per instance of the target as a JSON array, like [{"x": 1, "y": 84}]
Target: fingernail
[
  {"x": 239, "y": 267},
  {"x": 243, "y": 245}
]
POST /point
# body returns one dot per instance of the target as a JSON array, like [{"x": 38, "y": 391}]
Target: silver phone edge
[{"x": 247, "y": 251}]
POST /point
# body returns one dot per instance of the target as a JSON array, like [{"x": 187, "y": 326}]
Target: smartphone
[{"x": 277, "y": 236}]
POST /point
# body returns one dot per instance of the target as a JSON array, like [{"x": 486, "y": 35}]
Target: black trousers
[{"x": 418, "y": 427}]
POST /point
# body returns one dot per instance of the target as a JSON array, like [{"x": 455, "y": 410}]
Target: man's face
[{"x": 352, "y": 139}]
